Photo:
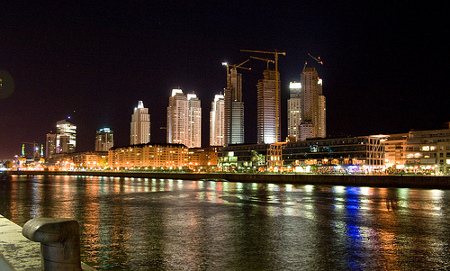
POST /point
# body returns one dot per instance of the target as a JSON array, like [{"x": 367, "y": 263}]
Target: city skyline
[{"x": 382, "y": 64}]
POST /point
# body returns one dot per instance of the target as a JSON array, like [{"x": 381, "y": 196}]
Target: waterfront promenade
[{"x": 412, "y": 181}]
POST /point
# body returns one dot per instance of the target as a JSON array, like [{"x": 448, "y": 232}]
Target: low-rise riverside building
[
  {"x": 424, "y": 152},
  {"x": 203, "y": 159},
  {"x": 149, "y": 156},
  {"x": 330, "y": 155},
  {"x": 90, "y": 160},
  {"x": 78, "y": 160},
  {"x": 243, "y": 157}
]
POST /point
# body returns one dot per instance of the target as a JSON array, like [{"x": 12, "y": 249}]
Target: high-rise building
[
  {"x": 313, "y": 110},
  {"x": 217, "y": 118},
  {"x": 177, "y": 117},
  {"x": 104, "y": 139},
  {"x": 63, "y": 141},
  {"x": 294, "y": 105},
  {"x": 234, "y": 109},
  {"x": 194, "y": 122},
  {"x": 184, "y": 119},
  {"x": 140, "y": 125},
  {"x": 268, "y": 108},
  {"x": 66, "y": 137},
  {"x": 50, "y": 147},
  {"x": 322, "y": 119}
]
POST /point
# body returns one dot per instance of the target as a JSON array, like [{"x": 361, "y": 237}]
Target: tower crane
[
  {"x": 304, "y": 66},
  {"x": 264, "y": 59},
  {"x": 236, "y": 66},
  {"x": 316, "y": 59},
  {"x": 276, "y": 53}
]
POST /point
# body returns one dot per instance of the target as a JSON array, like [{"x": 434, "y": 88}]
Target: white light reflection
[
  {"x": 436, "y": 194},
  {"x": 289, "y": 187},
  {"x": 364, "y": 191},
  {"x": 338, "y": 189},
  {"x": 309, "y": 188}
]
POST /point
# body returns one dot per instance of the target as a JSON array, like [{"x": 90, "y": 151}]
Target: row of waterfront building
[{"x": 419, "y": 152}]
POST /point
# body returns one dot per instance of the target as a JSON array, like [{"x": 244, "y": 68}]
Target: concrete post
[{"x": 60, "y": 242}]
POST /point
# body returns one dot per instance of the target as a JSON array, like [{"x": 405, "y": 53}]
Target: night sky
[{"x": 385, "y": 65}]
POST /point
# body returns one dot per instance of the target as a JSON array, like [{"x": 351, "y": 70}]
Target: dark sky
[{"x": 385, "y": 64}]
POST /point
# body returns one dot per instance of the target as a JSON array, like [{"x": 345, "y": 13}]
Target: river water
[{"x": 154, "y": 224}]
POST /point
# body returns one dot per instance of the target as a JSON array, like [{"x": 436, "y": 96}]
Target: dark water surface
[{"x": 152, "y": 224}]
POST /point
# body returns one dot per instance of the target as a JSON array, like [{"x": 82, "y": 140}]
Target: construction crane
[
  {"x": 277, "y": 92},
  {"x": 236, "y": 66},
  {"x": 316, "y": 59},
  {"x": 264, "y": 59},
  {"x": 304, "y": 66}
]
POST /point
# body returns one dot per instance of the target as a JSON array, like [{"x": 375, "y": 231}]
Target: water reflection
[{"x": 163, "y": 224}]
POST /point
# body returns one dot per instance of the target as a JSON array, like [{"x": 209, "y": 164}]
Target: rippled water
[{"x": 152, "y": 224}]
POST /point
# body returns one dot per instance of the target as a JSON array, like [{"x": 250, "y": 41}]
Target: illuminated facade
[
  {"x": 66, "y": 137},
  {"x": 140, "y": 125},
  {"x": 313, "y": 106},
  {"x": 104, "y": 140},
  {"x": 419, "y": 152},
  {"x": 243, "y": 157},
  {"x": 194, "y": 122},
  {"x": 150, "y": 156},
  {"x": 366, "y": 152},
  {"x": 267, "y": 107},
  {"x": 90, "y": 160},
  {"x": 184, "y": 117},
  {"x": 217, "y": 118},
  {"x": 294, "y": 105},
  {"x": 234, "y": 109},
  {"x": 203, "y": 158}
]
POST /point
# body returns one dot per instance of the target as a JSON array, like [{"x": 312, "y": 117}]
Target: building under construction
[
  {"x": 268, "y": 108},
  {"x": 234, "y": 106}
]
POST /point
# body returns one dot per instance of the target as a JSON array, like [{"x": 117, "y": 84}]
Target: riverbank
[{"x": 411, "y": 181}]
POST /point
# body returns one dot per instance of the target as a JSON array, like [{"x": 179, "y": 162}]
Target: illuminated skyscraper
[
  {"x": 322, "y": 120},
  {"x": 267, "y": 108},
  {"x": 194, "y": 122},
  {"x": 184, "y": 119},
  {"x": 65, "y": 139},
  {"x": 104, "y": 140},
  {"x": 234, "y": 109},
  {"x": 313, "y": 106},
  {"x": 140, "y": 125},
  {"x": 177, "y": 118},
  {"x": 217, "y": 118},
  {"x": 294, "y": 109}
]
